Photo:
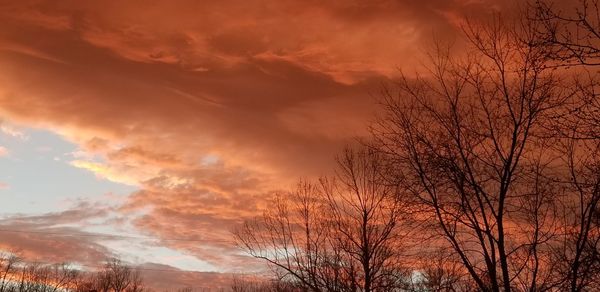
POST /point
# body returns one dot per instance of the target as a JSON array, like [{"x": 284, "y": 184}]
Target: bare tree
[
  {"x": 114, "y": 276},
  {"x": 339, "y": 235},
  {"x": 61, "y": 276},
  {"x": 572, "y": 32},
  {"x": 8, "y": 265},
  {"x": 101, "y": 281},
  {"x": 289, "y": 237},
  {"x": 117, "y": 277},
  {"x": 365, "y": 217},
  {"x": 578, "y": 258},
  {"x": 569, "y": 30},
  {"x": 468, "y": 142}
]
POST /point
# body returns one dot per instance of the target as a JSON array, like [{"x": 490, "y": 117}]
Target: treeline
[
  {"x": 17, "y": 275},
  {"x": 482, "y": 174}
]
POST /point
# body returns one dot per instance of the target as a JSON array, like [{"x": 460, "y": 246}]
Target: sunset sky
[{"x": 167, "y": 123}]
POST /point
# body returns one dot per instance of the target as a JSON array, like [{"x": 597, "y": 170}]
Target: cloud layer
[{"x": 207, "y": 108}]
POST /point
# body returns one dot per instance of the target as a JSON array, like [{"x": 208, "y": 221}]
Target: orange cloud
[{"x": 207, "y": 107}]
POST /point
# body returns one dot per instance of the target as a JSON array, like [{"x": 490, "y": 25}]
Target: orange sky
[{"x": 203, "y": 107}]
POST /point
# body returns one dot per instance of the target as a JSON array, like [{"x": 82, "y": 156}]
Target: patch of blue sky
[{"x": 38, "y": 178}]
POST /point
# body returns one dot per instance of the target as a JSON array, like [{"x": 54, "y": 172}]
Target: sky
[{"x": 165, "y": 124}]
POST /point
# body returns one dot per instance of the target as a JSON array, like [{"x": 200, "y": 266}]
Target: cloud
[
  {"x": 11, "y": 131},
  {"x": 53, "y": 237},
  {"x": 50, "y": 238},
  {"x": 106, "y": 172},
  {"x": 3, "y": 151},
  {"x": 207, "y": 108}
]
